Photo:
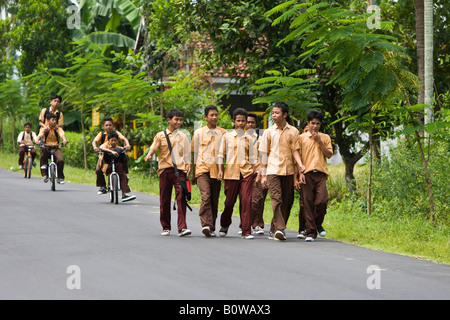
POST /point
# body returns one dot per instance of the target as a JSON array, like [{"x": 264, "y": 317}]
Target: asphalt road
[{"x": 75, "y": 244}]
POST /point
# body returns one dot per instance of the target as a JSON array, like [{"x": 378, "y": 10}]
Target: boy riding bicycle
[
  {"x": 101, "y": 138},
  {"x": 24, "y": 139},
  {"x": 52, "y": 136},
  {"x": 112, "y": 149}
]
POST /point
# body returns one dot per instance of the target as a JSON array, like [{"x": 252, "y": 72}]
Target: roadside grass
[{"x": 345, "y": 221}]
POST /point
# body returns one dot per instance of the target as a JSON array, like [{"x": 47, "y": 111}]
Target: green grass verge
[{"x": 344, "y": 222}]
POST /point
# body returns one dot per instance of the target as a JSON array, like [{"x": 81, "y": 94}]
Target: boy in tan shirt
[
  {"x": 205, "y": 148},
  {"x": 52, "y": 136},
  {"x": 315, "y": 149},
  {"x": 279, "y": 150},
  {"x": 167, "y": 178},
  {"x": 240, "y": 154}
]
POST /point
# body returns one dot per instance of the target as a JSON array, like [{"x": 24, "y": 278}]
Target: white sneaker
[
  {"x": 165, "y": 233},
  {"x": 309, "y": 239},
  {"x": 20, "y": 167},
  {"x": 44, "y": 167},
  {"x": 258, "y": 230},
  {"x": 247, "y": 236},
  {"x": 184, "y": 232},
  {"x": 206, "y": 231},
  {"x": 280, "y": 235}
]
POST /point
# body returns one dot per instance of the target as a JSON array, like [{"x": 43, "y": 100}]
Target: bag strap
[
  {"x": 171, "y": 155},
  {"x": 176, "y": 171}
]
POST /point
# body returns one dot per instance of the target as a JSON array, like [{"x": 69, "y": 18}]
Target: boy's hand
[
  {"x": 264, "y": 182},
  {"x": 302, "y": 179},
  {"x": 220, "y": 175}
]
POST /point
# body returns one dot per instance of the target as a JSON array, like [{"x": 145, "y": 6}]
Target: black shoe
[
  {"x": 223, "y": 232},
  {"x": 127, "y": 197},
  {"x": 102, "y": 190},
  {"x": 321, "y": 231}
]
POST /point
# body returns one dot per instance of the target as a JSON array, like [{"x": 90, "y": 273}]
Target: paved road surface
[{"x": 121, "y": 255}]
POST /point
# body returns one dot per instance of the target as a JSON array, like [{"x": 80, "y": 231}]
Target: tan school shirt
[
  {"x": 256, "y": 142},
  {"x": 239, "y": 153},
  {"x": 180, "y": 146},
  {"x": 27, "y": 139},
  {"x": 279, "y": 145},
  {"x": 45, "y": 121},
  {"x": 310, "y": 153},
  {"x": 51, "y": 138},
  {"x": 98, "y": 138},
  {"x": 205, "y": 146}
]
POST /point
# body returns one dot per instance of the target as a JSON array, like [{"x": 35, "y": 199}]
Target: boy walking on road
[
  {"x": 259, "y": 194},
  {"x": 314, "y": 151},
  {"x": 238, "y": 150},
  {"x": 279, "y": 150},
  {"x": 166, "y": 172},
  {"x": 205, "y": 147}
]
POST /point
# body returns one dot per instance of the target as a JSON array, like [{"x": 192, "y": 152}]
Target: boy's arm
[
  {"x": 126, "y": 142},
  {"x": 325, "y": 148},
  {"x": 153, "y": 148},
  {"x": 63, "y": 136},
  {"x": 95, "y": 142},
  {"x": 220, "y": 157}
]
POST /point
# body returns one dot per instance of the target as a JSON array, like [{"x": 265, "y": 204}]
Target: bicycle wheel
[
  {"x": 52, "y": 172},
  {"x": 28, "y": 166},
  {"x": 25, "y": 168},
  {"x": 115, "y": 188}
]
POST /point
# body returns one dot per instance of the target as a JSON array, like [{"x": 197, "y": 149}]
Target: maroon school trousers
[
  {"x": 167, "y": 180},
  {"x": 243, "y": 189},
  {"x": 315, "y": 200},
  {"x": 258, "y": 198}
]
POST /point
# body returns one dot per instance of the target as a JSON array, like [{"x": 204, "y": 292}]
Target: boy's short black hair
[
  {"x": 240, "y": 112},
  {"x": 113, "y": 134},
  {"x": 105, "y": 119},
  {"x": 51, "y": 115},
  {"x": 253, "y": 115},
  {"x": 284, "y": 109},
  {"x": 56, "y": 96},
  {"x": 315, "y": 114},
  {"x": 27, "y": 124},
  {"x": 174, "y": 113},
  {"x": 209, "y": 108},
  {"x": 304, "y": 124}
]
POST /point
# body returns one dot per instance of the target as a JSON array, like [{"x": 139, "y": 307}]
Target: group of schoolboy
[
  {"x": 278, "y": 162},
  {"x": 51, "y": 121},
  {"x": 51, "y": 133}
]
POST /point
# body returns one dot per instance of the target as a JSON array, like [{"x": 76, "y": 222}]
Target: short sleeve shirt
[
  {"x": 180, "y": 147},
  {"x": 205, "y": 146},
  {"x": 310, "y": 153},
  {"x": 27, "y": 138},
  {"x": 44, "y": 120},
  {"x": 51, "y": 137},
  {"x": 279, "y": 144},
  {"x": 239, "y": 153}
]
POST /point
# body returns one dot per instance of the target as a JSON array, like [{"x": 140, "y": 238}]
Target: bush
[
  {"x": 399, "y": 188},
  {"x": 74, "y": 151}
]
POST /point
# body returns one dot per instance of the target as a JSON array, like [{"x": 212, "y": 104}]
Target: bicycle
[
  {"x": 52, "y": 169},
  {"x": 114, "y": 181},
  {"x": 28, "y": 163}
]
